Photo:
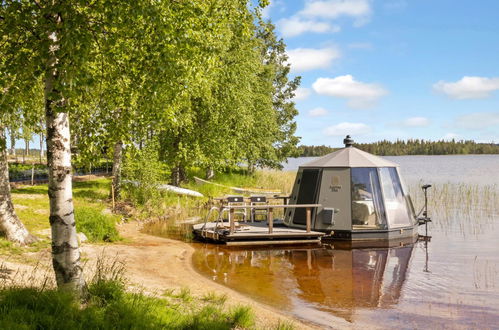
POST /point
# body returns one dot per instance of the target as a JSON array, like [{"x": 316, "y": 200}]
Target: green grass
[
  {"x": 31, "y": 204},
  {"x": 109, "y": 306},
  {"x": 98, "y": 227}
]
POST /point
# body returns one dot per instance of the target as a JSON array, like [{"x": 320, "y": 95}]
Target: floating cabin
[{"x": 362, "y": 197}]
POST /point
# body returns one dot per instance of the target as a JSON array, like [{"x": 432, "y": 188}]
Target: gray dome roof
[{"x": 350, "y": 157}]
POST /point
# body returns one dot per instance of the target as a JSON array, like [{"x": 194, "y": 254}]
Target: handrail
[
  {"x": 272, "y": 205},
  {"x": 208, "y": 216},
  {"x": 270, "y": 208}
]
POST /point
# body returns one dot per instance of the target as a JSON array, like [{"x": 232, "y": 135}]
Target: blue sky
[
  {"x": 391, "y": 69},
  {"x": 388, "y": 69}
]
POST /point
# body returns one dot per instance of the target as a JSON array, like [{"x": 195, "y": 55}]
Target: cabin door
[{"x": 307, "y": 194}]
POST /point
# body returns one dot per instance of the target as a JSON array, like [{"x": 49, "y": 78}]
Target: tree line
[
  {"x": 410, "y": 147},
  {"x": 195, "y": 83}
]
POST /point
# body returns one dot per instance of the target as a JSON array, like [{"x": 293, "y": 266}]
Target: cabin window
[
  {"x": 395, "y": 203},
  {"x": 367, "y": 206},
  {"x": 408, "y": 200}
]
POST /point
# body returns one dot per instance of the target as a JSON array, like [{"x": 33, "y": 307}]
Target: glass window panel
[
  {"x": 367, "y": 205},
  {"x": 408, "y": 199},
  {"x": 395, "y": 202}
]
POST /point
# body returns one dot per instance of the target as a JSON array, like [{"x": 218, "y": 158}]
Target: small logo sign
[{"x": 335, "y": 184}]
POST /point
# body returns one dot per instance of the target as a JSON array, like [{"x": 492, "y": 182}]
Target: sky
[{"x": 392, "y": 69}]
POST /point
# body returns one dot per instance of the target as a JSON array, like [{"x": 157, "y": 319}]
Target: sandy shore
[{"x": 153, "y": 264}]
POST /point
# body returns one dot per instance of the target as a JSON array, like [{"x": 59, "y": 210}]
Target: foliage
[
  {"x": 410, "y": 147},
  {"x": 98, "y": 227},
  {"x": 314, "y": 151},
  {"x": 143, "y": 172},
  {"x": 423, "y": 147}
]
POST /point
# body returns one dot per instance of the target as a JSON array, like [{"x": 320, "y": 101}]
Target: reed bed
[{"x": 465, "y": 208}]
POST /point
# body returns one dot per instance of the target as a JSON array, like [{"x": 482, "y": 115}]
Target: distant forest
[{"x": 410, "y": 147}]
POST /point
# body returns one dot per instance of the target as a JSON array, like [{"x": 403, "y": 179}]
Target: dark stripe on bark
[
  {"x": 67, "y": 276},
  {"x": 64, "y": 247}
]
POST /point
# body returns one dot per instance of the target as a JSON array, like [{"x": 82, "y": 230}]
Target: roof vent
[{"x": 348, "y": 141}]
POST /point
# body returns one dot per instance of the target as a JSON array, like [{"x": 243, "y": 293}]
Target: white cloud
[
  {"x": 318, "y": 112},
  {"x": 301, "y": 93},
  {"x": 478, "y": 120},
  {"x": 358, "y": 94},
  {"x": 468, "y": 87},
  {"x": 332, "y": 9},
  {"x": 304, "y": 59},
  {"x": 347, "y": 128},
  {"x": 317, "y": 16},
  {"x": 294, "y": 26},
  {"x": 416, "y": 122}
]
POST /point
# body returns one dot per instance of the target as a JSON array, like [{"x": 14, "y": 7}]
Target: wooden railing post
[
  {"x": 232, "y": 224},
  {"x": 270, "y": 220},
  {"x": 309, "y": 216}
]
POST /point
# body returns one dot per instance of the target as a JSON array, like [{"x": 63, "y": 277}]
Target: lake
[
  {"x": 474, "y": 169},
  {"x": 450, "y": 282}
]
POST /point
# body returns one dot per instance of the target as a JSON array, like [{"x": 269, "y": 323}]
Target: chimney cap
[{"x": 348, "y": 141}]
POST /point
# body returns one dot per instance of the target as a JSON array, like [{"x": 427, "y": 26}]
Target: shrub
[
  {"x": 96, "y": 226},
  {"x": 143, "y": 172}
]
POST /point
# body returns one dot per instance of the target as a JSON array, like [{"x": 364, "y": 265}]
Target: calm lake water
[
  {"x": 475, "y": 169},
  {"x": 450, "y": 282}
]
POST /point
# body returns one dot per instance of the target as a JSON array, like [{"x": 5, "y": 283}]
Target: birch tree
[
  {"x": 10, "y": 224},
  {"x": 52, "y": 40},
  {"x": 11, "y": 96}
]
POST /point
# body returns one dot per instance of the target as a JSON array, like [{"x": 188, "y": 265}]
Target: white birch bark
[
  {"x": 210, "y": 173},
  {"x": 65, "y": 250},
  {"x": 117, "y": 164},
  {"x": 10, "y": 224},
  {"x": 12, "y": 143},
  {"x": 41, "y": 147}
]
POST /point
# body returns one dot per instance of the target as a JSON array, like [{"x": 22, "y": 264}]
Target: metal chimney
[{"x": 348, "y": 141}]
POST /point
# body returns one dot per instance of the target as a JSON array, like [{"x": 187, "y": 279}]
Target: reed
[{"x": 466, "y": 208}]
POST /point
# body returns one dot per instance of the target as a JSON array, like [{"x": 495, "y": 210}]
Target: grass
[
  {"x": 90, "y": 198},
  {"x": 169, "y": 211},
  {"x": 97, "y": 226},
  {"x": 108, "y": 305}
]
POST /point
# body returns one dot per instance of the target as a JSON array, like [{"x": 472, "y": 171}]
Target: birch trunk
[
  {"x": 178, "y": 175},
  {"x": 41, "y": 148},
  {"x": 26, "y": 151},
  {"x": 210, "y": 173},
  {"x": 65, "y": 250},
  {"x": 175, "y": 176},
  {"x": 117, "y": 163},
  {"x": 12, "y": 143},
  {"x": 9, "y": 222}
]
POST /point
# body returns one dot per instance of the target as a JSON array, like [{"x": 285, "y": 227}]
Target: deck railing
[{"x": 270, "y": 208}]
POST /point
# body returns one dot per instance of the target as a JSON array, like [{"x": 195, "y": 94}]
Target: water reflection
[{"x": 320, "y": 281}]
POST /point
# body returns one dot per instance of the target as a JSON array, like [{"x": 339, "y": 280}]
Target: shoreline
[{"x": 152, "y": 265}]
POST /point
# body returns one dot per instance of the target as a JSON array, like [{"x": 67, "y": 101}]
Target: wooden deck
[{"x": 255, "y": 233}]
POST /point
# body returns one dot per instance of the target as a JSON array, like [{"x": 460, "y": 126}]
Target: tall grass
[
  {"x": 108, "y": 305},
  {"x": 167, "y": 216},
  {"x": 98, "y": 227},
  {"x": 465, "y": 208}
]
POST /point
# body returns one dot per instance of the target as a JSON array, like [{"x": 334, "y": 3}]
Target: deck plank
[{"x": 257, "y": 233}]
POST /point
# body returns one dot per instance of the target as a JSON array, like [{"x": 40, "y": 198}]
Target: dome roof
[{"x": 350, "y": 157}]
